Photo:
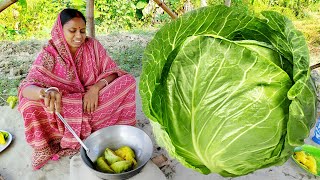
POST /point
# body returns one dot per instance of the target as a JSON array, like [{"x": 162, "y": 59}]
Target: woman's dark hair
[{"x": 67, "y": 14}]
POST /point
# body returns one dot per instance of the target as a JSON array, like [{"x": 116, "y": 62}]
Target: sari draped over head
[{"x": 55, "y": 67}]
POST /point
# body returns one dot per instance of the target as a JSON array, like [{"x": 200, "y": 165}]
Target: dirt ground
[{"x": 16, "y": 57}]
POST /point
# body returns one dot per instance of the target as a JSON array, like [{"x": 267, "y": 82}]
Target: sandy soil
[{"x": 16, "y": 57}]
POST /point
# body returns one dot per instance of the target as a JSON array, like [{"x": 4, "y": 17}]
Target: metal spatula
[{"x": 89, "y": 154}]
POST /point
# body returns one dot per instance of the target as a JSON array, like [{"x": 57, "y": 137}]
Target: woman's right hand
[{"x": 52, "y": 99}]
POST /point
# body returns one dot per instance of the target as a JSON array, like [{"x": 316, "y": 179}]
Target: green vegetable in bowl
[
  {"x": 111, "y": 156},
  {"x": 121, "y": 166},
  {"x": 3, "y": 137},
  {"x": 102, "y": 165},
  {"x": 118, "y": 161},
  {"x": 306, "y": 160},
  {"x": 228, "y": 92},
  {"x": 5, "y": 134},
  {"x": 126, "y": 153}
]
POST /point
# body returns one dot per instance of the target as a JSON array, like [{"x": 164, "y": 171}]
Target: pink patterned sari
[{"x": 55, "y": 67}]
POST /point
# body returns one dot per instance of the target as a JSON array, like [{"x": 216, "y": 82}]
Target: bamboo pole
[
  {"x": 90, "y": 18},
  {"x": 166, "y": 9},
  {"x": 315, "y": 66},
  {"x": 6, "y": 3}
]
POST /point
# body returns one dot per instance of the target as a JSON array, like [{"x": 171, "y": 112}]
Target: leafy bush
[
  {"x": 34, "y": 22},
  {"x": 115, "y": 15},
  {"x": 18, "y": 22}
]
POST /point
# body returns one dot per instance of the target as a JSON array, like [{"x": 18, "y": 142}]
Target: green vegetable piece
[
  {"x": 12, "y": 101},
  {"x": 5, "y": 134},
  {"x": 126, "y": 153},
  {"x": 101, "y": 165},
  {"x": 121, "y": 166},
  {"x": 111, "y": 156}
]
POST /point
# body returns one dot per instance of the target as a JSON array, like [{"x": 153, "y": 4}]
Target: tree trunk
[
  {"x": 227, "y": 3},
  {"x": 203, "y": 3},
  {"x": 90, "y": 18},
  {"x": 6, "y": 3}
]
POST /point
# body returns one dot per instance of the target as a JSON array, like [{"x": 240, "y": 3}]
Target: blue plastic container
[{"x": 316, "y": 137}]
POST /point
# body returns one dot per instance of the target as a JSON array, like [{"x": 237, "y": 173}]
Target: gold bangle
[{"x": 105, "y": 82}]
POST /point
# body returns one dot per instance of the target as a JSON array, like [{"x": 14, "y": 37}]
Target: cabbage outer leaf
[{"x": 227, "y": 92}]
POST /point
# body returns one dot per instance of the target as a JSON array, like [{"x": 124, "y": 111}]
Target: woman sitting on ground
[{"x": 73, "y": 75}]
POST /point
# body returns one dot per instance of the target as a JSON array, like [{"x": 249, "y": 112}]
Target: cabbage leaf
[{"x": 228, "y": 92}]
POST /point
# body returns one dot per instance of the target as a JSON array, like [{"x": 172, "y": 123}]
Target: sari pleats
[{"x": 47, "y": 134}]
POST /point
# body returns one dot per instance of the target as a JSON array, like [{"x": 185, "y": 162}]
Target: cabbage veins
[{"x": 228, "y": 92}]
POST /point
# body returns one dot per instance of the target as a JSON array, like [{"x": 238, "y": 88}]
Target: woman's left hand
[{"x": 90, "y": 99}]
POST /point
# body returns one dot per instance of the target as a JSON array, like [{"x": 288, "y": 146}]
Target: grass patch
[
  {"x": 129, "y": 58},
  {"x": 310, "y": 27},
  {"x": 8, "y": 87}
]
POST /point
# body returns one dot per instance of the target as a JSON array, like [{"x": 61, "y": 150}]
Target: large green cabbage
[{"x": 228, "y": 92}]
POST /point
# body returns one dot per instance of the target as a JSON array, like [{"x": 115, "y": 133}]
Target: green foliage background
[{"x": 33, "y": 19}]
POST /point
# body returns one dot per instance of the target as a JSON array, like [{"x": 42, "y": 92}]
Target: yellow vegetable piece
[
  {"x": 311, "y": 164},
  {"x": 307, "y": 161},
  {"x": 12, "y": 101},
  {"x": 2, "y": 140},
  {"x": 126, "y": 153},
  {"x": 301, "y": 157}
]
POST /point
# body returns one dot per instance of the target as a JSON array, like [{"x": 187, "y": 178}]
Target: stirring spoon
[{"x": 88, "y": 153}]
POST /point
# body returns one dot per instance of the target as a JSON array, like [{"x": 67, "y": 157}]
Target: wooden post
[
  {"x": 315, "y": 66},
  {"x": 166, "y": 9},
  {"x": 90, "y": 18},
  {"x": 6, "y": 3}
]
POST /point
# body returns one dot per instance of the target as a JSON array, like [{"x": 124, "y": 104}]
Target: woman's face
[{"x": 75, "y": 33}]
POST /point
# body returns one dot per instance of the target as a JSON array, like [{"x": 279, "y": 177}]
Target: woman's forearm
[
  {"x": 32, "y": 92},
  {"x": 101, "y": 84},
  {"x": 111, "y": 77}
]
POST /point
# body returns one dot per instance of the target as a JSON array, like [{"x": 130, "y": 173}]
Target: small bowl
[
  {"x": 312, "y": 151},
  {"x": 114, "y": 137}
]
